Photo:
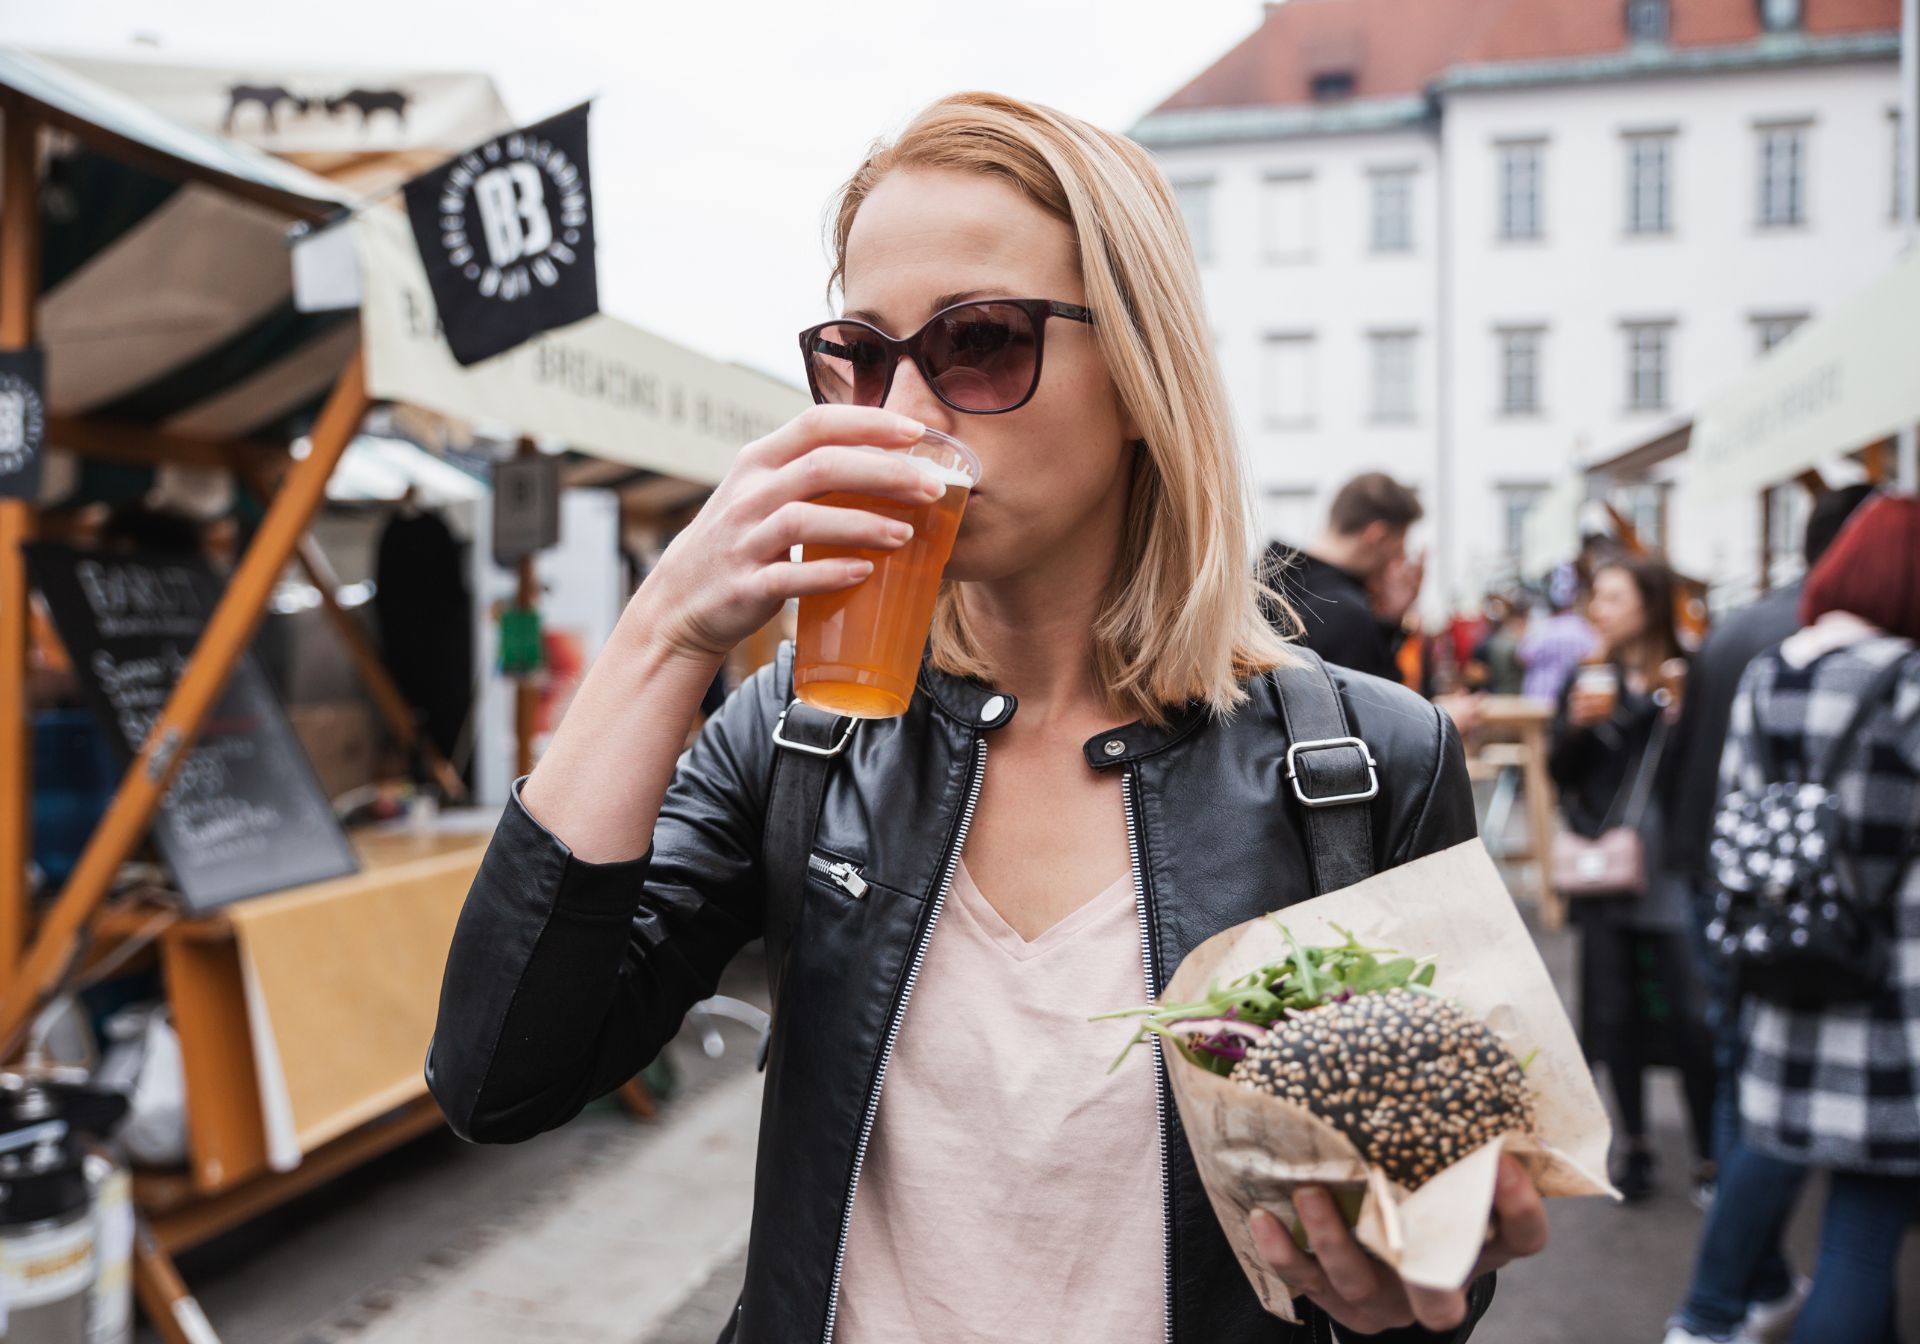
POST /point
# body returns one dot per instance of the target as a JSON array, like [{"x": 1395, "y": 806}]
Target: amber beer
[{"x": 857, "y": 652}]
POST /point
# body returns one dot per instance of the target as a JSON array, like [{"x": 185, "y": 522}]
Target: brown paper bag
[{"x": 1253, "y": 1149}]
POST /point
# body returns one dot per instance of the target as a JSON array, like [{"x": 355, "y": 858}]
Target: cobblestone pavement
[{"x": 486, "y": 1245}]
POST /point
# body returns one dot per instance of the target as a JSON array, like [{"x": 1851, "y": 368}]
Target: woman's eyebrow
[{"x": 944, "y": 301}]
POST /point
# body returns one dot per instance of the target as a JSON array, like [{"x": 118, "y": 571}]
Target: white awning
[
  {"x": 599, "y": 386},
  {"x": 1551, "y": 533},
  {"x": 1843, "y": 381}
]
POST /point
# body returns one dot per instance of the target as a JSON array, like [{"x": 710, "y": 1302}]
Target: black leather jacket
[{"x": 565, "y": 978}]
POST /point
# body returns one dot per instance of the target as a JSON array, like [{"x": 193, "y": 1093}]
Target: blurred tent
[{"x": 168, "y": 305}]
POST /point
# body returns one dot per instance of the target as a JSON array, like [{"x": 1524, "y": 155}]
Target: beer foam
[{"x": 940, "y": 471}]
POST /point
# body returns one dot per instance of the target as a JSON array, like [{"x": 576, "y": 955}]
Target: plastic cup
[{"x": 857, "y": 652}]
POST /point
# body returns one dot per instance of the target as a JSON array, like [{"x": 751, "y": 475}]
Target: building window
[
  {"x": 1517, "y": 503},
  {"x": 1196, "y": 207},
  {"x": 1289, "y": 381},
  {"x": 1392, "y": 210},
  {"x": 1649, "y": 380},
  {"x": 1290, "y": 513},
  {"x": 1646, "y": 20},
  {"x": 1520, "y": 370},
  {"x": 1288, "y": 203},
  {"x": 1332, "y": 85},
  {"x": 1644, "y": 507},
  {"x": 1780, "y": 16},
  {"x": 1520, "y": 174},
  {"x": 1649, "y": 183},
  {"x": 1393, "y": 359},
  {"x": 1788, "y": 508},
  {"x": 1772, "y": 328},
  {"x": 1783, "y": 168}
]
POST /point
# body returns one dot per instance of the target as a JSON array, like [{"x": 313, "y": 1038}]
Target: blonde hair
[{"x": 1185, "y": 616}]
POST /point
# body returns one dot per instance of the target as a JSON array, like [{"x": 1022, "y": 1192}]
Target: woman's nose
[{"x": 910, "y": 395}]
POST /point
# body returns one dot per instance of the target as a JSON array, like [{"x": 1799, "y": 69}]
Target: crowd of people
[{"x": 1658, "y": 738}]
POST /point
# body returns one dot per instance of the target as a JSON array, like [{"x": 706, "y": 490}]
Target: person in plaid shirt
[{"x": 1838, "y": 1087}]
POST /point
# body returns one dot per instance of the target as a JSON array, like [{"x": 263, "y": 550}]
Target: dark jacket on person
[
  {"x": 1701, "y": 735},
  {"x": 1595, "y": 771},
  {"x": 566, "y": 977},
  {"x": 1335, "y": 612}
]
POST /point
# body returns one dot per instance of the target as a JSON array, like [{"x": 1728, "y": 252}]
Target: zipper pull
[{"x": 845, "y": 876}]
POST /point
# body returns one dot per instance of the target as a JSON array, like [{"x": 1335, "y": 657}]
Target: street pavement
[{"x": 618, "y": 1231}]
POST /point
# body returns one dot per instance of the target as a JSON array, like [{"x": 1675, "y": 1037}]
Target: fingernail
[
  {"x": 906, "y": 424},
  {"x": 902, "y": 531},
  {"x": 859, "y": 569}
]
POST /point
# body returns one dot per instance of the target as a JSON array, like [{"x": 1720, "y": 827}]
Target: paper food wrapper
[{"x": 1253, "y": 1149}]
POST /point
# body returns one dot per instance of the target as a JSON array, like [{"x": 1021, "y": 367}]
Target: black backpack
[{"x": 1793, "y": 922}]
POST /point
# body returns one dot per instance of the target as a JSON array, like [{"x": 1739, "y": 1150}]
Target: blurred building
[{"x": 1481, "y": 243}]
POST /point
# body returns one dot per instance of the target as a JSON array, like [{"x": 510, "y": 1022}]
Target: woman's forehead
[{"x": 927, "y": 233}]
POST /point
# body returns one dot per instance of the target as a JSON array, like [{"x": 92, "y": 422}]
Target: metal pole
[{"x": 1909, "y": 188}]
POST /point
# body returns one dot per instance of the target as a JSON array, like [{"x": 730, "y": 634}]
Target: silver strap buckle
[
  {"x": 1329, "y": 744},
  {"x": 780, "y": 739}
]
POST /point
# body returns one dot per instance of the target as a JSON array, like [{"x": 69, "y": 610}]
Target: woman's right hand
[{"x": 728, "y": 573}]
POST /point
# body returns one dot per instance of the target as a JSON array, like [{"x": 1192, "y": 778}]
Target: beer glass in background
[
  {"x": 1600, "y": 681},
  {"x": 857, "y": 652}
]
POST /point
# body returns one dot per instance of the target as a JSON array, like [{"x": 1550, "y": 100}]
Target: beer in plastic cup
[
  {"x": 857, "y": 651},
  {"x": 1602, "y": 679}
]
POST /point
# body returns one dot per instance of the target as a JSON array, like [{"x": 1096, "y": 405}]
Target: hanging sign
[
  {"x": 506, "y": 234},
  {"x": 23, "y": 422}
]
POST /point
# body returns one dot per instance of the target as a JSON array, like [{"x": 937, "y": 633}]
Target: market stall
[{"x": 145, "y": 261}]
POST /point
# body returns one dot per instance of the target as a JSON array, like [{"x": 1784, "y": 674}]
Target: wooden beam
[
  {"x": 1812, "y": 482},
  {"x": 146, "y": 446},
  {"x": 19, "y": 298},
  {"x": 140, "y": 155},
  {"x": 228, "y": 632}
]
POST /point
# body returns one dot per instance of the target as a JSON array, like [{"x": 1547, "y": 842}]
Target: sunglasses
[{"x": 981, "y": 357}]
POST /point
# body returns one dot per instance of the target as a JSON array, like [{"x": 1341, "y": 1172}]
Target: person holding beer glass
[
  {"x": 1639, "y": 993},
  {"x": 1059, "y": 757}
]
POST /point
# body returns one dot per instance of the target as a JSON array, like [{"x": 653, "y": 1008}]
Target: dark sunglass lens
[
  {"x": 849, "y": 365},
  {"x": 982, "y": 356}
]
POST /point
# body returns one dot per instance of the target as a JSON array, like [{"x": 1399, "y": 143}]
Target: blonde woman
[{"x": 1092, "y": 778}]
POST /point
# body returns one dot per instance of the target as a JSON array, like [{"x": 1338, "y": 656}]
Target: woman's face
[
  {"x": 1616, "y": 610},
  {"x": 1053, "y": 473}
]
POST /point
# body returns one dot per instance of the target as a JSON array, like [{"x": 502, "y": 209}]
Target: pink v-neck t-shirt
[{"x": 1012, "y": 1185}]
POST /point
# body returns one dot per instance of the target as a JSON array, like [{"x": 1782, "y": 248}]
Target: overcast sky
[{"x": 721, "y": 127}]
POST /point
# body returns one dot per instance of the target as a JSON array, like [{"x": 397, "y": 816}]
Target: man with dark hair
[{"x": 1354, "y": 585}]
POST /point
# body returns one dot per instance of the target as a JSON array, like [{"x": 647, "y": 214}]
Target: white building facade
[{"x": 1526, "y": 266}]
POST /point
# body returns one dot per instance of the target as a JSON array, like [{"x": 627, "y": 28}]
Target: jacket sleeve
[{"x": 565, "y": 978}]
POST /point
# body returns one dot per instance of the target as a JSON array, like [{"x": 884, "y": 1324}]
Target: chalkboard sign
[{"x": 245, "y": 814}]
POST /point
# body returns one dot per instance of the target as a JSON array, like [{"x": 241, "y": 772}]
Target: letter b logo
[{"x": 513, "y": 212}]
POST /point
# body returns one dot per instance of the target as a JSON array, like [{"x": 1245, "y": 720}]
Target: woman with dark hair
[
  {"x": 1639, "y": 999},
  {"x": 1835, "y": 1086}
]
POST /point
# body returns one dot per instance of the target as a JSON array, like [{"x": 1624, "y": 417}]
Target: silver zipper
[
  {"x": 845, "y": 876},
  {"x": 1127, "y": 785},
  {"x": 893, "y": 1028}
]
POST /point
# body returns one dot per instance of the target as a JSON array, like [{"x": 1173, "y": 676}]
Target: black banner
[
  {"x": 506, "y": 233},
  {"x": 23, "y": 422}
]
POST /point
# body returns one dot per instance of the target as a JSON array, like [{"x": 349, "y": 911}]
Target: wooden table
[{"x": 1525, "y": 723}]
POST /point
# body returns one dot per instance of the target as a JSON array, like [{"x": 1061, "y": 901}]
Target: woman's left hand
[{"x": 1365, "y": 1296}]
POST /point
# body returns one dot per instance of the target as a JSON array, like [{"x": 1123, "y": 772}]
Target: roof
[
  {"x": 1402, "y": 47},
  {"x": 1391, "y": 47}
]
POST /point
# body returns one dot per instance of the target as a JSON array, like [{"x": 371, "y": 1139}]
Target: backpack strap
[
  {"x": 1331, "y": 771},
  {"x": 1879, "y": 691},
  {"x": 806, "y": 742}
]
